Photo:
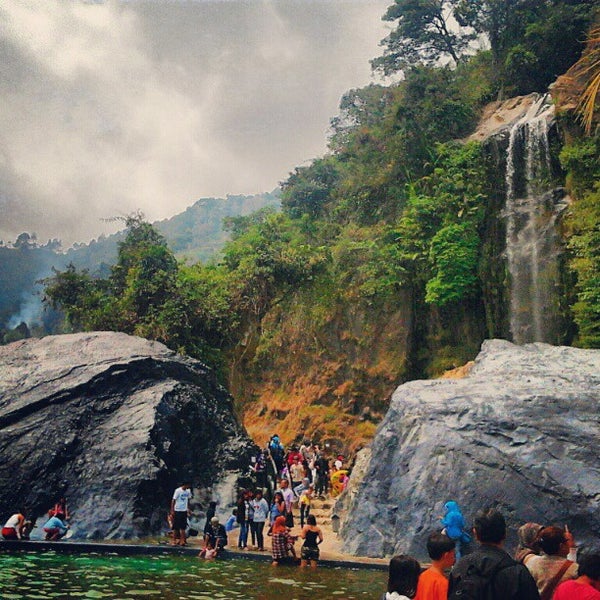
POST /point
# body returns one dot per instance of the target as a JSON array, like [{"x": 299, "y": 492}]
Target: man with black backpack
[{"x": 490, "y": 573}]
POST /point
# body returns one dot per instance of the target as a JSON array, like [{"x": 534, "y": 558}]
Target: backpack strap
[{"x": 551, "y": 585}]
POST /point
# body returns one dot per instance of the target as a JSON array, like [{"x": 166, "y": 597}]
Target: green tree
[
  {"x": 532, "y": 41},
  {"x": 423, "y": 34},
  {"x": 77, "y": 294},
  {"x": 308, "y": 189}
]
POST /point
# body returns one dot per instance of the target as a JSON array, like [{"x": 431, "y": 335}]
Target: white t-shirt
[
  {"x": 13, "y": 522},
  {"x": 261, "y": 510},
  {"x": 288, "y": 497},
  {"x": 181, "y": 498}
]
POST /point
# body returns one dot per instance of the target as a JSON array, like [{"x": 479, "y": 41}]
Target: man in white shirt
[{"x": 180, "y": 512}]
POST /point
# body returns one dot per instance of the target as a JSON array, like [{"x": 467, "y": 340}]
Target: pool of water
[{"x": 48, "y": 575}]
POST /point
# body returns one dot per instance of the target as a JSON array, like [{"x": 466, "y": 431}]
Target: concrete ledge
[{"x": 75, "y": 547}]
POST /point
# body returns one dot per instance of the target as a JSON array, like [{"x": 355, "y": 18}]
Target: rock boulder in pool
[
  {"x": 521, "y": 433},
  {"x": 113, "y": 423}
]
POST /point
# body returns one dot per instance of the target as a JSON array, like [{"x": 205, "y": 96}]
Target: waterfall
[{"x": 532, "y": 240}]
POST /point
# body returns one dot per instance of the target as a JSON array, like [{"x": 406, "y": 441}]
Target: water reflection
[{"x": 56, "y": 576}]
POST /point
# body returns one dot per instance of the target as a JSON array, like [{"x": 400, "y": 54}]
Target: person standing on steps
[
  {"x": 288, "y": 498},
  {"x": 180, "y": 512},
  {"x": 321, "y": 475},
  {"x": 304, "y": 502}
]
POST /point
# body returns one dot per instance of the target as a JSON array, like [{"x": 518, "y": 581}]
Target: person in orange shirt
[{"x": 433, "y": 584}]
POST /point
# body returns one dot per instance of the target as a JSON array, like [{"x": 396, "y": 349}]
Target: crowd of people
[
  {"x": 543, "y": 568},
  {"x": 283, "y": 482},
  {"x": 301, "y": 466}
]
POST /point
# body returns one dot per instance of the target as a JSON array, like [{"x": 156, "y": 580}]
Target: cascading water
[{"x": 532, "y": 241}]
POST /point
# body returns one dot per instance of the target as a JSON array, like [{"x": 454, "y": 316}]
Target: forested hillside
[
  {"x": 196, "y": 234},
  {"x": 388, "y": 260}
]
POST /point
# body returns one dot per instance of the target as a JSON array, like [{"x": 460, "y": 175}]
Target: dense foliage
[
  {"x": 581, "y": 160},
  {"x": 532, "y": 41}
]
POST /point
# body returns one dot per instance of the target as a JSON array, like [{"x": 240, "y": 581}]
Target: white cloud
[{"x": 109, "y": 107}]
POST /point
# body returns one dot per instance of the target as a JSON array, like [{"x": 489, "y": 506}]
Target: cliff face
[
  {"x": 325, "y": 371},
  {"x": 322, "y": 376},
  {"x": 113, "y": 423},
  {"x": 520, "y": 433}
]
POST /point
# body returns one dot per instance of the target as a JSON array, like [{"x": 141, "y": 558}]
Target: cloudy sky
[{"x": 109, "y": 107}]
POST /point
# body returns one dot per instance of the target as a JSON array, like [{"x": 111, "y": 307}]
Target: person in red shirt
[
  {"x": 433, "y": 584},
  {"x": 587, "y": 585}
]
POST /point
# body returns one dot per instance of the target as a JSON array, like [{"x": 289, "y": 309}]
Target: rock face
[
  {"x": 113, "y": 423},
  {"x": 520, "y": 433}
]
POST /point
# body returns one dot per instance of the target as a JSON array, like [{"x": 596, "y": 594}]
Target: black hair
[
  {"x": 311, "y": 520},
  {"x": 490, "y": 526},
  {"x": 589, "y": 565},
  {"x": 438, "y": 544},
  {"x": 403, "y": 575},
  {"x": 551, "y": 538}
]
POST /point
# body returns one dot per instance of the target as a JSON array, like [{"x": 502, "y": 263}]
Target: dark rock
[
  {"x": 520, "y": 433},
  {"x": 113, "y": 423}
]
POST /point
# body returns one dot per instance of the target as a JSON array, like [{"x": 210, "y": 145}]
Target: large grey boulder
[
  {"x": 113, "y": 423},
  {"x": 521, "y": 433}
]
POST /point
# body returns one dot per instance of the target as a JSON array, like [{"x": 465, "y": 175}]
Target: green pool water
[{"x": 49, "y": 575}]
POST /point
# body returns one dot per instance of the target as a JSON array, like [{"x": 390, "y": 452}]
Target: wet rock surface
[
  {"x": 520, "y": 433},
  {"x": 113, "y": 423}
]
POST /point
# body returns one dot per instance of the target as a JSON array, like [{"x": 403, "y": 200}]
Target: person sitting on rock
[
  {"x": 552, "y": 566},
  {"x": 55, "y": 527},
  {"x": 587, "y": 584},
  {"x": 433, "y": 583},
  {"x": 216, "y": 536},
  {"x": 17, "y": 527}
]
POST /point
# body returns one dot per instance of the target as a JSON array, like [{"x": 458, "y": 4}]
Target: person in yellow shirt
[
  {"x": 433, "y": 583},
  {"x": 305, "y": 500}
]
